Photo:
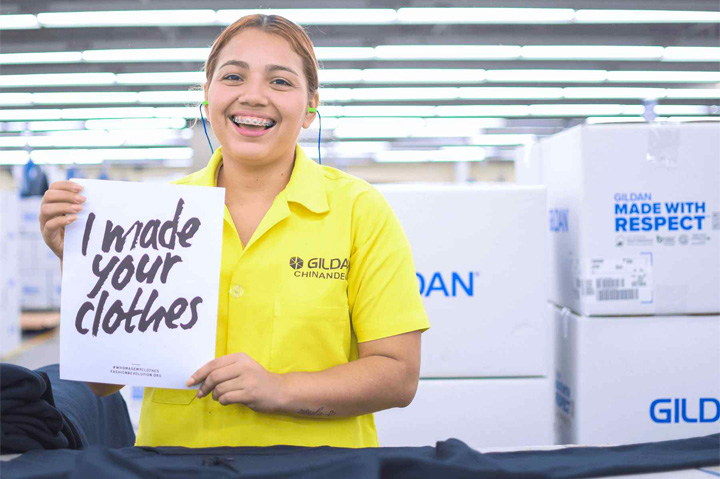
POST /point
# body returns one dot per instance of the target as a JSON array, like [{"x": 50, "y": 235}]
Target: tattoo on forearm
[{"x": 319, "y": 412}]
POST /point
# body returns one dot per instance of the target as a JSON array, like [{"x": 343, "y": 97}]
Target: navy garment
[
  {"x": 102, "y": 421},
  {"x": 28, "y": 416},
  {"x": 449, "y": 459},
  {"x": 38, "y": 410}
]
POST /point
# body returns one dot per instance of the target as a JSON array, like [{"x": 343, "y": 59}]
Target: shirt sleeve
[{"x": 383, "y": 293}]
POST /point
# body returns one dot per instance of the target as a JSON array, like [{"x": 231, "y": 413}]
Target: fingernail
[
  {"x": 199, "y": 394},
  {"x": 79, "y": 198},
  {"x": 71, "y": 218},
  {"x": 77, "y": 188},
  {"x": 76, "y": 207}
]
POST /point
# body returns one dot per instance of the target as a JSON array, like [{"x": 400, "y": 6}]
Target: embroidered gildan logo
[{"x": 323, "y": 268}]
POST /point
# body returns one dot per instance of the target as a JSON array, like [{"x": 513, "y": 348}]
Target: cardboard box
[
  {"x": 10, "y": 331},
  {"x": 35, "y": 289},
  {"x": 479, "y": 253},
  {"x": 29, "y": 214},
  {"x": 623, "y": 380},
  {"x": 634, "y": 218},
  {"x": 513, "y": 412}
]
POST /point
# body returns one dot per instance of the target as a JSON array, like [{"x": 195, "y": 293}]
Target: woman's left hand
[{"x": 239, "y": 379}]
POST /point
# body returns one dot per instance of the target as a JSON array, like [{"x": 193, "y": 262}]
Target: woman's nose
[{"x": 253, "y": 92}]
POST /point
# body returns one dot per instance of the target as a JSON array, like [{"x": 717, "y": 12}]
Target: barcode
[
  {"x": 617, "y": 294},
  {"x": 588, "y": 289},
  {"x": 609, "y": 283}
]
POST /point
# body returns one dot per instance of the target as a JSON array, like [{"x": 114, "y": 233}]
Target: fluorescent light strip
[
  {"x": 702, "y": 54},
  {"x": 485, "y": 15},
  {"x": 645, "y": 16},
  {"x": 449, "y": 154},
  {"x": 392, "y": 52},
  {"x": 638, "y": 119},
  {"x": 40, "y": 57},
  {"x": 357, "y": 16},
  {"x": 127, "y": 18},
  {"x": 319, "y": 16},
  {"x": 113, "y": 138},
  {"x": 663, "y": 77},
  {"x": 57, "y": 79},
  {"x": 160, "y": 78},
  {"x": 146, "y": 55},
  {"x": 136, "y": 124},
  {"x": 591, "y": 52},
  {"x": 344, "y": 53},
  {"x": 103, "y": 124},
  {"x": 9, "y": 157},
  {"x": 18, "y": 22},
  {"x": 97, "y": 156},
  {"x": 614, "y": 92},
  {"x": 345, "y": 95},
  {"x": 447, "y": 52},
  {"x": 443, "y": 111},
  {"x": 379, "y": 75},
  {"x": 417, "y": 75},
  {"x": 538, "y": 75}
]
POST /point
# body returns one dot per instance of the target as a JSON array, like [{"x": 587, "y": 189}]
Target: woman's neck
[{"x": 245, "y": 184}]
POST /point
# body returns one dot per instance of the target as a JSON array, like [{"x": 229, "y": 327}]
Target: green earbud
[
  {"x": 205, "y": 103},
  {"x": 312, "y": 110}
]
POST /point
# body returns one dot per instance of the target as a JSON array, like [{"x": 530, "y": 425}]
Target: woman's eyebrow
[
  {"x": 274, "y": 68},
  {"x": 237, "y": 63},
  {"x": 268, "y": 68}
]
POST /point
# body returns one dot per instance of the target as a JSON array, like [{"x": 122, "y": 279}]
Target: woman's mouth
[{"x": 252, "y": 125}]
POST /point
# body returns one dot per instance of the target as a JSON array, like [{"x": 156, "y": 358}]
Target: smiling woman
[{"x": 319, "y": 314}]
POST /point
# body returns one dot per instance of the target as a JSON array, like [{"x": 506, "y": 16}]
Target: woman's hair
[{"x": 276, "y": 25}]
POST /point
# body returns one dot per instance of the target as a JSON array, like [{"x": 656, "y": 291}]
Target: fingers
[
  {"x": 60, "y": 201},
  {"x": 235, "y": 397},
  {"x": 63, "y": 196},
  {"x": 202, "y": 373},
  {"x": 52, "y": 226},
  {"x": 216, "y": 378},
  {"x": 65, "y": 185},
  {"x": 51, "y": 210}
]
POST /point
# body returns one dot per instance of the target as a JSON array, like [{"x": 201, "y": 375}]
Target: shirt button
[{"x": 236, "y": 291}]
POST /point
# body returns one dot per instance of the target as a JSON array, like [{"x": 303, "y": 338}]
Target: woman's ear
[{"x": 310, "y": 116}]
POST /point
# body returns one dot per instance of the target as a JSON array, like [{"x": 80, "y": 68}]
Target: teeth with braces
[{"x": 252, "y": 121}]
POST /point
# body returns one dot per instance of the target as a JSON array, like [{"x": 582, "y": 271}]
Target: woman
[{"x": 320, "y": 317}]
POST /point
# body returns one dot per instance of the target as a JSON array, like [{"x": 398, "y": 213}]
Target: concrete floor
[{"x": 37, "y": 351}]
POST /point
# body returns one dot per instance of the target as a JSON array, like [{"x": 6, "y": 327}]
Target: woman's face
[{"x": 258, "y": 82}]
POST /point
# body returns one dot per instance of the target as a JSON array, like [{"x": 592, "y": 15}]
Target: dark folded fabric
[
  {"x": 102, "y": 421},
  {"x": 38, "y": 410},
  {"x": 28, "y": 416},
  {"x": 449, "y": 459}
]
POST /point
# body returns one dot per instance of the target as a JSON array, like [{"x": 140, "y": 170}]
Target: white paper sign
[{"x": 141, "y": 271}]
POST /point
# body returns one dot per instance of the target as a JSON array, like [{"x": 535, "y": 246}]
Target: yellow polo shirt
[{"x": 329, "y": 266}]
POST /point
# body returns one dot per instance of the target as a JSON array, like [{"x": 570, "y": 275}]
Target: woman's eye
[
  {"x": 232, "y": 76},
  {"x": 283, "y": 82}
]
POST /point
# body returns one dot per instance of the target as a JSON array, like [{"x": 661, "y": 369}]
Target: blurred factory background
[{"x": 410, "y": 90}]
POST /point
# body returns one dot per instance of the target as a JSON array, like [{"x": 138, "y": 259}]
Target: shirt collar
[{"x": 306, "y": 185}]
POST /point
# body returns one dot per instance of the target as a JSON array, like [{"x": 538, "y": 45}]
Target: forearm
[{"x": 359, "y": 387}]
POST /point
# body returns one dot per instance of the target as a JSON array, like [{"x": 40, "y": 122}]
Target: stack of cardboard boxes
[
  {"x": 480, "y": 259},
  {"x": 9, "y": 280},
  {"x": 40, "y": 274},
  {"x": 634, "y": 220}
]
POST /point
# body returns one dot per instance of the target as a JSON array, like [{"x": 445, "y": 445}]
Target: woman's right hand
[{"x": 60, "y": 206}]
